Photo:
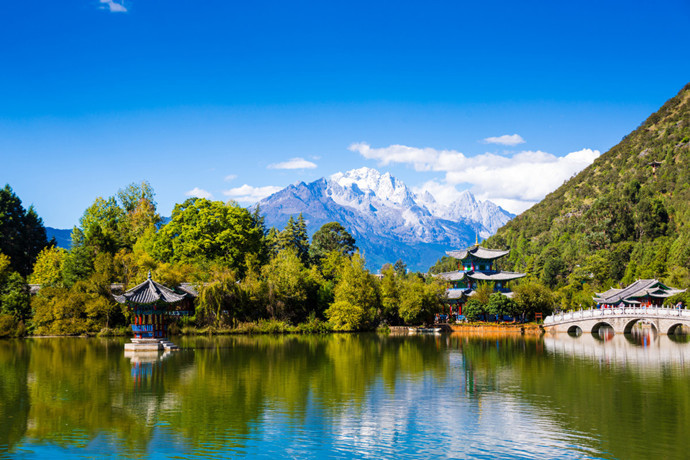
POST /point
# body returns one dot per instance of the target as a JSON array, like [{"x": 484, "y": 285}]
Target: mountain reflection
[{"x": 348, "y": 395}]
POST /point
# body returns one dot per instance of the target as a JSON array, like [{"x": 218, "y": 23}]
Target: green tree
[
  {"x": 48, "y": 267},
  {"x": 444, "y": 264},
  {"x": 102, "y": 225},
  {"x": 291, "y": 287},
  {"x": 531, "y": 298},
  {"x": 500, "y": 305},
  {"x": 219, "y": 295},
  {"x": 400, "y": 268},
  {"x": 131, "y": 196},
  {"x": 483, "y": 292},
  {"x": 137, "y": 201},
  {"x": 294, "y": 236},
  {"x": 22, "y": 235},
  {"x": 14, "y": 296},
  {"x": 652, "y": 218},
  {"x": 356, "y": 298},
  {"x": 474, "y": 309},
  {"x": 331, "y": 237},
  {"x": 419, "y": 301},
  {"x": 78, "y": 264},
  {"x": 208, "y": 231},
  {"x": 390, "y": 297}
]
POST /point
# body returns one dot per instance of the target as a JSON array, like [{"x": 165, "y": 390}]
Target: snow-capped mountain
[{"x": 388, "y": 220}]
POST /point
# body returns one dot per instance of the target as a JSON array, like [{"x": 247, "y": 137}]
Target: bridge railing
[{"x": 623, "y": 311}]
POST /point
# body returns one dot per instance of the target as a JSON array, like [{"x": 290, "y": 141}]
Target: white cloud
[
  {"x": 114, "y": 6},
  {"x": 513, "y": 182},
  {"x": 443, "y": 193},
  {"x": 250, "y": 194},
  {"x": 420, "y": 158},
  {"x": 230, "y": 177},
  {"x": 506, "y": 139},
  {"x": 199, "y": 193},
  {"x": 293, "y": 163}
]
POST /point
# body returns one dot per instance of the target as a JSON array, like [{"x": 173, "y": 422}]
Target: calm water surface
[{"x": 353, "y": 396}]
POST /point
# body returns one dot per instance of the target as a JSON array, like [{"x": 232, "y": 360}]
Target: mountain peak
[
  {"x": 388, "y": 220},
  {"x": 371, "y": 182}
]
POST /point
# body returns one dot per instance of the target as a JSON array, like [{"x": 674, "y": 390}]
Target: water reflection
[
  {"x": 603, "y": 333},
  {"x": 347, "y": 396},
  {"x": 642, "y": 334},
  {"x": 642, "y": 348}
]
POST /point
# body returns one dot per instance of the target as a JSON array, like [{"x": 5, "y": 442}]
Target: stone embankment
[{"x": 481, "y": 328}]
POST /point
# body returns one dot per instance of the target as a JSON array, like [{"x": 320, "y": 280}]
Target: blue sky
[{"x": 220, "y": 97}]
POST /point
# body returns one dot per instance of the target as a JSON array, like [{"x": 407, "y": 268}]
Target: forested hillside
[{"x": 624, "y": 217}]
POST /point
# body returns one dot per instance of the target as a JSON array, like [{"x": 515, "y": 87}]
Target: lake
[{"x": 348, "y": 396}]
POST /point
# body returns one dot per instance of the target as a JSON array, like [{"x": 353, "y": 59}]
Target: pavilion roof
[
  {"x": 451, "y": 276},
  {"x": 638, "y": 289},
  {"x": 495, "y": 276},
  {"x": 150, "y": 292},
  {"x": 455, "y": 293},
  {"x": 478, "y": 252}
]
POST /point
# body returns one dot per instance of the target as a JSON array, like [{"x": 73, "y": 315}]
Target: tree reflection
[{"x": 213, "y": 392}]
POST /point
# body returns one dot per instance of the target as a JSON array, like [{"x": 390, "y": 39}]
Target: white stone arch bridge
[{"x": 622, "y": 320}]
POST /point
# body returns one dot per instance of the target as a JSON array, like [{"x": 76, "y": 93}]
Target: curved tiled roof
[
  {"x": 478, "y": 252},
  {"x": 149, "y": 292},
  {"x": 451, "y": 276},
  {"x": 638, "y": 289},
  {"x": 497, "y": 276}
]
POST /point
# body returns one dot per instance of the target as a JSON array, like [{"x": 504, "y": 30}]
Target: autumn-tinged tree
[{"x": 48, "y": 267}]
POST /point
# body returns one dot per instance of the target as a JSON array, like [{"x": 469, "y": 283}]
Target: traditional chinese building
[
  {"x": 151, "y": 303},
  {"x": 475, "y": 265},
  {"x": 648, "y": 293}
]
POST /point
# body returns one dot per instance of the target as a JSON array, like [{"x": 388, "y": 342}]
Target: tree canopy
[
  {"x": 22, "y": 235},
  {"x": 331, "y": 237}
]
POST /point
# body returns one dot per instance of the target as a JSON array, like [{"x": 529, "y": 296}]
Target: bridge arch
[
  {"x": 575, "y": 330},
  {"x": 630, "y": 324},
  {"x": 675, "y": 328},
  {"x": 598, "y": 325}
]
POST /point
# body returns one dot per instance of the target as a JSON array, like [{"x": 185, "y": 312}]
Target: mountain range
[{"x": 388, "y": 220}]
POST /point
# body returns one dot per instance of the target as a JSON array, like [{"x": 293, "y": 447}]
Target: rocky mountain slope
[{"x": 388, "y": 220}]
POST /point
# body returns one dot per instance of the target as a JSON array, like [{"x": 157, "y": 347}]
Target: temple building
[
  {"x": 475, "y": 265},
  {"x": 646, "y": 293},
  {"x": 151, "y": 303}
]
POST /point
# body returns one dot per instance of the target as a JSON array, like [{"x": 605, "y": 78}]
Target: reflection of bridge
[
  {"x": 622, "y": 320},
  {"x": 653, "y": 352}
]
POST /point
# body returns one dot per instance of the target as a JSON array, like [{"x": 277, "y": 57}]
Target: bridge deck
[{"x": 621, "y": 319}]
